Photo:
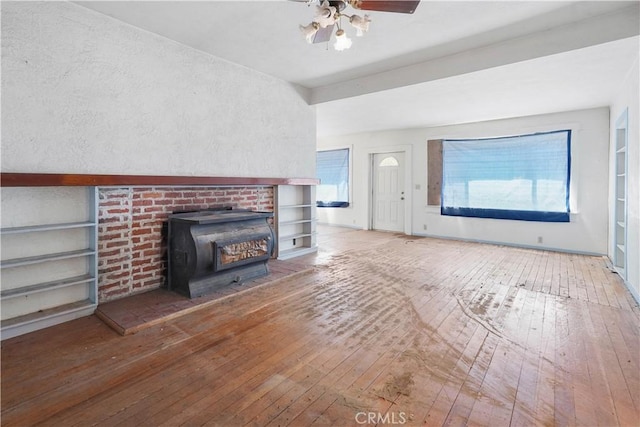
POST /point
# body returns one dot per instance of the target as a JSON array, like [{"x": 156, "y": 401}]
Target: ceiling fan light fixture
[
  {"x": 309, "y": 31},
  {"x": 325, "y": 14},
  {"x": 361, "y": 24},
  {"x": 342, "y": 41},
  {"x": 329, "y": 13}
]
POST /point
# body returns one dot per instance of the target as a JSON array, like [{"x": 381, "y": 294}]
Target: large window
[
  {"x": 333, "y": 172},
  {"x": 522, "y": 177}
]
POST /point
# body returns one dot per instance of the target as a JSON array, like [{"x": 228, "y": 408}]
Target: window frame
[
  {"x": 336, "y": 203},
  {"x": 512, "y": 214}
]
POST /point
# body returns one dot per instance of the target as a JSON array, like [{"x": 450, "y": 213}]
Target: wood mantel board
[{"x": 11, "y": 179}]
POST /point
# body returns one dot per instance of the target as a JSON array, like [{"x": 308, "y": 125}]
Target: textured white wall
[
  {"x": 628, "y": 100},
  {"x": 587, "y": 231},
  {"x": 83, "y": 93}
]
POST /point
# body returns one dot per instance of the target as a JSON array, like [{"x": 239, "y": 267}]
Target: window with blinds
[
  {"x": 333, "y": 171},
  {"x": 521, "y": 177}
]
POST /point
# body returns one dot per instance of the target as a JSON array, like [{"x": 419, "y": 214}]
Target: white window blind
[
  {"x": 522, "y": 177},
  {"x": 333, "y": 172}
]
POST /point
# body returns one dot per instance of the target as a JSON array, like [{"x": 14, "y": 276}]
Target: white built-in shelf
[
  {"x": 619, "y": 257},
  {"x": 46, "y": 227},
  {"x": 297, "y": 236},
  {"x": 46, "y": 286},
  {"x": 44, "y": 318},
  {"x": 19, "y": 262},
  {"x": 28, "y": 307},
  {"x": 295, "y": 220},
  {"x": 296, "y": 206}
]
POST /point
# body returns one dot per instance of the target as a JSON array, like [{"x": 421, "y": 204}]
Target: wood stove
[{"x": 212, "y": 249}]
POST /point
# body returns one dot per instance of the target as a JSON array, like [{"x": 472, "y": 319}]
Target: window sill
[
  {"x": 435, "y": 210},
  {"x": 332, "y": 204}
]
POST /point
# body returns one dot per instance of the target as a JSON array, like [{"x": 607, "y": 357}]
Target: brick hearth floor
[{"x": 132, "y": 314}]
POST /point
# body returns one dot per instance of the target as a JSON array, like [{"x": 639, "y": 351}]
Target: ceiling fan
[{"x": 329, "y": 14}]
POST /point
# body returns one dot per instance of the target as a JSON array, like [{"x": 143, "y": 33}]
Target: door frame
[{"x": 408, "y": 183}]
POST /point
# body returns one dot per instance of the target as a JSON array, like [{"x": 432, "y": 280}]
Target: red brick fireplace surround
[{"x": 132, "y": 213}]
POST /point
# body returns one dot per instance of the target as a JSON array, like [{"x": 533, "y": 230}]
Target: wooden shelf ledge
[{"x": 14, "y": 179}]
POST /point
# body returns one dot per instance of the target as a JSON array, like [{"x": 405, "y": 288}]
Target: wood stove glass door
[{"x": 388, "y": 191}]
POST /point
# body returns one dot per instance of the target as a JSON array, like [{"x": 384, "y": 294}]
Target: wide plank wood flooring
[{"x": 385, "y": 329}]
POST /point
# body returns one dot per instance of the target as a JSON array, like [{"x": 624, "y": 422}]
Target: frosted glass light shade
[
  {"x": 309, "y": 31},
  {"x": 342, "y": 41},
  {"x": 361, "y": 24}
]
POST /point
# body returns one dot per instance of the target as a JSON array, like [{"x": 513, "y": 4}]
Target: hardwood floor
[{"x": 385, "y": 329}]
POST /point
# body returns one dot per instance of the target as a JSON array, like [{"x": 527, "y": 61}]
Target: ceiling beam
[{"x": 619, "y": 24}]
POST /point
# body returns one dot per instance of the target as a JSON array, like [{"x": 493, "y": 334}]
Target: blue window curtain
[
  {"x": 333, "y": 172},
  {"x": 522, "y": 177}
]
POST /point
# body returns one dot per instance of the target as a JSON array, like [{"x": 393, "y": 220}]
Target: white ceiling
[{"x": 449, "y": 62}]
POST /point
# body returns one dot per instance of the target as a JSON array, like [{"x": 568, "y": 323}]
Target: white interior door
[{"x": 388, "y": 191}]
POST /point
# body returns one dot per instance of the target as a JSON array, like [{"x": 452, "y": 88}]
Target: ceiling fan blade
[
  {"x": 398, "y": 6},
  {"x": 323, "y": 34}
]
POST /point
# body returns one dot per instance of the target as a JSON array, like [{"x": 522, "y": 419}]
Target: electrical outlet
[
  {"x": 539, "y": 239},
  {"x": 294, "y": 242},
  {"x": 424, "y": 227}
]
